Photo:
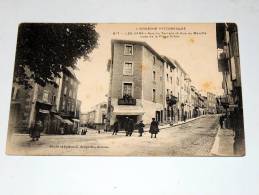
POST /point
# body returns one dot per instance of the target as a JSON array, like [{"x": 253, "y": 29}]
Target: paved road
[{"x": 194, "y": 138}]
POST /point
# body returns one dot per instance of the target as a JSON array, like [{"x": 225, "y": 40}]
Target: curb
[
  {"x": 223, "y": 144},
  {"x": 176, "y": 124}
]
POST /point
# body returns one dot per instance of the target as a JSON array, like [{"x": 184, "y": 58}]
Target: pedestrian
[
  {"x": 141, "y": 128},
  {"x": 61, "y": 129},
  {"x": 221, "y": 121},
  {"x": 115, "y": 128},
  {"x": 126, "y": 125},
  {"x": 153, "y": 127},
  {"x": 35, "y": 133},
  {"x": 185, "y": 117},
  {"x": 130, "y": 127},
  {"x": 84, "y": 131}
]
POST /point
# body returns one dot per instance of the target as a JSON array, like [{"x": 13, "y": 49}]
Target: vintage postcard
[{"x": 126, "y": 90}]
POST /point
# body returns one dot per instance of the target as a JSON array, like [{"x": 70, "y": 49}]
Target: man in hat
[
  {"x": 153, "y": 127},
  {"x": 141, "y": 128},
  {"x": 115, "y": 128}
]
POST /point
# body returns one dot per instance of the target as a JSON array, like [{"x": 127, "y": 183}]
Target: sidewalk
[
  {"x": 224, "y": 143},
  {"x": 176, "y": 124},
  {"x": 165, "y": 126}
]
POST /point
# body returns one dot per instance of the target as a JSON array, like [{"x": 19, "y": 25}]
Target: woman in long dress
[
  {"x": 153, "y": 127},
  {"x": 35, "y": 134}
]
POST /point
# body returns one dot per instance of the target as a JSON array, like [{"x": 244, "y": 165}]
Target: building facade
[
  {"x": 69, "y": 105},
  {"x": 45, "y": 104},
  {"x": 170, "y": 101},
  {"x": 96, "y": 117},
  {"x": 229, "y": 65},
  {"x": 136, "y": 85},
  {"x": 211, "y": 103},
  {"x": 145, "y": 85}
]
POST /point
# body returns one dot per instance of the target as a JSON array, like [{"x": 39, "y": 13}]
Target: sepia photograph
[{"x": 126, "y": 89}]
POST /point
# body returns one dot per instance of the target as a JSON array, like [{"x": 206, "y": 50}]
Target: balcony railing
[
  {"x": 127, "y": 101},
  {"x": 171, "y": 100},
  {"x": 223, "y": 62}
]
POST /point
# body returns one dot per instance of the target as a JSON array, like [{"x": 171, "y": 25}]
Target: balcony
[
  {"x": 171, "y": 100},
  {"x": 223, "y": 62},
  {"x": 127, "y": 101}
]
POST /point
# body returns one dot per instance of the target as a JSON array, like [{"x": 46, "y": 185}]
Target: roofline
[
  {"x": 179, "y": 66},
  {"x": 67, "y": 72},
  {"x": 138, "y": 43},
  {"x": 168, "y": 60}
]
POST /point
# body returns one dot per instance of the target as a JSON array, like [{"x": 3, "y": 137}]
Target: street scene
[
  {"x": 194, "y": 138},
  {"x": 127, "y": 90}
]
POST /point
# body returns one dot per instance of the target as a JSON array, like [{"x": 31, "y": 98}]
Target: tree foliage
[{"x": 44, "y": 50}]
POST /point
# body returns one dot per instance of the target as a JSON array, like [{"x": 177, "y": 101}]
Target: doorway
[{"x": 122, "y": 120}]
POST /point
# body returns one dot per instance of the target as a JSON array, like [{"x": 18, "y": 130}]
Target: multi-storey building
[
  {"x": 136, "y": 85},
  {"x": 229, "y": 65},
  {"x": 183, "y": 93},
  {"x": 145, "y": 85},
  {"x": 194, "y": 105},
  {"x": 211, "y": 103},
  {"x": 43, "y": 103},
  {"x": 96, "y": 117},
  {"x": 69, "y": 106},
  {"x": 29, "y": 105},
  {"x": 170, "y": 98}
]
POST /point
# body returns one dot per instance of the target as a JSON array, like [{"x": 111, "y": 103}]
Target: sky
[{"x": 195, "y": 49}]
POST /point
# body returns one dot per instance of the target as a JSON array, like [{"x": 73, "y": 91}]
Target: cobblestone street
[{"x": 194, "y": 138}]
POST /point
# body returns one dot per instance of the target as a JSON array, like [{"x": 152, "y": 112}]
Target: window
[
  {"x": 70, "y": 93},
  {"x": 45, "y": 96},
  {"x": 167, "y": 92},
  {"x": 171, "y": 80},
  {"x": 177, "y": 81},
  {"x": 53, "y": 99},
  {"x": 154, "y": 60},
  {"x": 167, "y": 77},
  {"x": 127, "y": 89},
  {"x": 154, "y": 95},
  {"x": 68, "y": 106},
  {"x": 65, "y": 90},
  {"x": 63, "y": 104},
  {"x": 154, "y": 75},
  {"x": 72, "y": 107},
  {"x": 128, "y": 68},
  {"x": 128, "y": 50}
]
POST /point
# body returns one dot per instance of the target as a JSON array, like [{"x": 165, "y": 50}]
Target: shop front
[
  {"x": 123, "y": 113},
  {"x": 43, "y": 115}
]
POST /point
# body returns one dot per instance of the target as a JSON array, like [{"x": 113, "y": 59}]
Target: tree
[{"x": 44, "y": 50}]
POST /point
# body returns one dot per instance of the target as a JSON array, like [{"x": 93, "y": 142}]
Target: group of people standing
[{"x": 129, "y": 127}]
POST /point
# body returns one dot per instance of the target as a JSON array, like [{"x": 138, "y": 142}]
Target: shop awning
[
  {"x": 44, "y": 111},
  {"x": 67, "y": 121},
  {"x": 58, "y": 117},
  {"x": 128, "y": 110},
  {"x": 76, "y": 120}
]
